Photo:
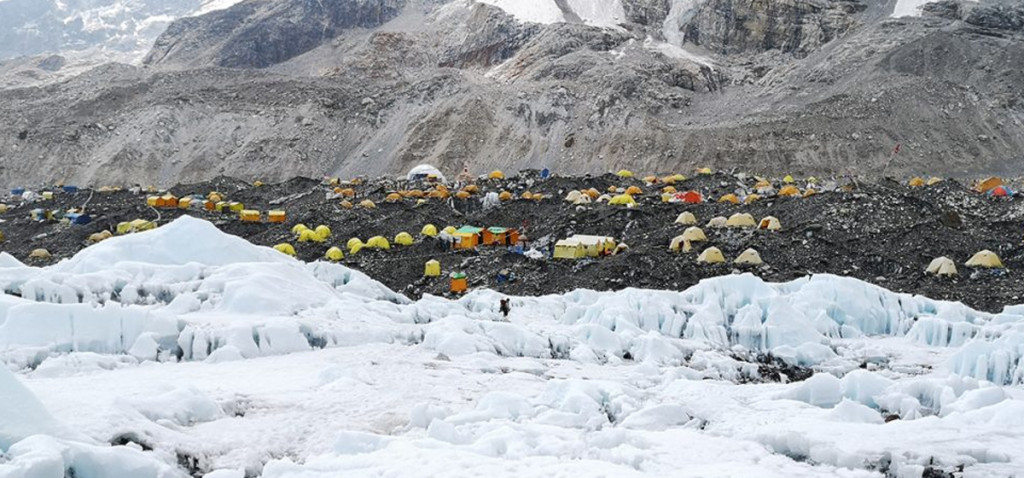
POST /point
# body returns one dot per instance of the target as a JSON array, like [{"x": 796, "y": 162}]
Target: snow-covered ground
[{"x": 184, "y": 345}]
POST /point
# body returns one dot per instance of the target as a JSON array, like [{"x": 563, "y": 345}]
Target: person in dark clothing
[{"x": 506, "y": 307}]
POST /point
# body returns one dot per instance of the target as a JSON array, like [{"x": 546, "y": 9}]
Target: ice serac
[
  {"x": 187, "y": 291},
  {"x": 21, "y": 415}
]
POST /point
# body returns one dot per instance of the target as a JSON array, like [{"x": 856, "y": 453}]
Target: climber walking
[{"x": 505, "y": 307}]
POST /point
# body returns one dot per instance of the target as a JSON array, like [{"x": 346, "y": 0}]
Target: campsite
[{"x": 886, "y": 232}]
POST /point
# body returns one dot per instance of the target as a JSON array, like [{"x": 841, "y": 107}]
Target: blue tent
[
  {"x": 71, "y": 189},
  {"x": 545, "y": 173},
  {"x": 17, "y": 191},
  {"x": 79, "y": 219}
]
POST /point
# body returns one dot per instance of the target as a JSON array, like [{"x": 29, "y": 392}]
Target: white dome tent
[{"x": 424, "y": 171}]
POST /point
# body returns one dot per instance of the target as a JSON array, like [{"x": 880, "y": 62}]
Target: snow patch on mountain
[{"x": 598, "y": 13}]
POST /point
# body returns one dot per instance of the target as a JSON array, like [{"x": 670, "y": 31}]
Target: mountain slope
[{"x": 374, "y": 86}]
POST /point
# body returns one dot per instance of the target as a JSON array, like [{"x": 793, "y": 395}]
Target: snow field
[{"x": 185, "y": 342}]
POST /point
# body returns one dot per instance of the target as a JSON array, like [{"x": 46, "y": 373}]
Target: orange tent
[
  {"x": 729, "y": 198},
  {"x": 789, "y": 191},
  {"x": 985, "y": 185},
  {"x": 633, "y": 191},
  {"x": 690, "y": 197}
]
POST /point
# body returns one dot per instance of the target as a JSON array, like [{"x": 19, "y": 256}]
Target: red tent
[
  {"x": 691, "y": 197},
  {"x": 1000, "y": 191}
]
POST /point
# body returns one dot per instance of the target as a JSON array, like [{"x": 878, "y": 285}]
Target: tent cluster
[
  {"x": 712, "y": 255},
  {"x": 469, "y": 237},
  {"x": 984, "y": 259},
  {"x": 582, "y": 246},
  {"x": 215, "y": 202}
]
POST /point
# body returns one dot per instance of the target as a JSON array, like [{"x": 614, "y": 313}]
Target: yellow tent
[
  {"x": 496, "y": 174},
  {"x": 505, "y": 196},
  {"x": 623, "y": 200},
  {"x": 933, "y": 181},
  {"x": 310, "y": 236},
  {"x": 248, "y": 215},
  {"x": 39, "y": 254},
  {"x": 634, "y": 190},
  {"x": 985, "y": 185},
  {"x": 123, "y": 227},
  {"x": 809, "y": 192},
  {"x": 678, "y": 177},
  {"x": 788, "y": 179},
  {"x": 3, "y": 208},
  {"x": 942, "y": 266},
  {"x": 100, "y": 236},
  {"x": 378, "y": 242},
  {"x": 651, "y": 179},
  {"x": 718, "y": 222},
  {"x": 472, "y": 189},
  {"x": 666, "y": 197},
  {"x": 257, "y": 183},
  {"x": 569, "y": 249},
  {"x": 669, "y": 190},
  {"x": 624, "y": 173},
  {"x": 678, "y": 243},
  {"x": 393, "y": 197},
  {"x": 741, "y": 220},
  {"x": 215, "y": 196},
  {"x": 915, "y": 182},
  {"x": 686, "y": 218},
  {"x": 770, "y": 223},
  {"x": 432, "y": 268},
  {"x": 670, "y": 179},
  {"x": 323, "y": 232},
  {"x": 276, "y": 215},
  {"x": 429, "y": 230},
  {"x": 789, "y": 191},
  {"x": 763, "y": 184},
  {"x": 711, "y": 255},
  {"x": 368, "y": 204},
  {"x": 346, "y": 193},
  {"x": 729, "y": 198},
  {"x": 462, "y": 195},
  {"x": 346, "y": 204},
  {"x": 140, "y": 225},
  {"x": 285, "y": 248},
  {"x": 403, "y": 239},
  {"x": 334, "y": 254},
  {"x": 749, "y": 257},
  {"x": 704, "y": 171},
  {"x": 353, "y": 242},
  {"x": 527, "y": 195},
  {"x": 694, "y": 234},
  {"x": 449, "y": 230},
  {"x": 751, "y": 198},
  {"x": 985, "y": 259}
]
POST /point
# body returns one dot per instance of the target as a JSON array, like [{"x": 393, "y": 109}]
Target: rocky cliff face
[
  {"x": 260, "y": 33},
  {"x": 375, "y": 86},
  {"x": 798, "y": 27}
]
